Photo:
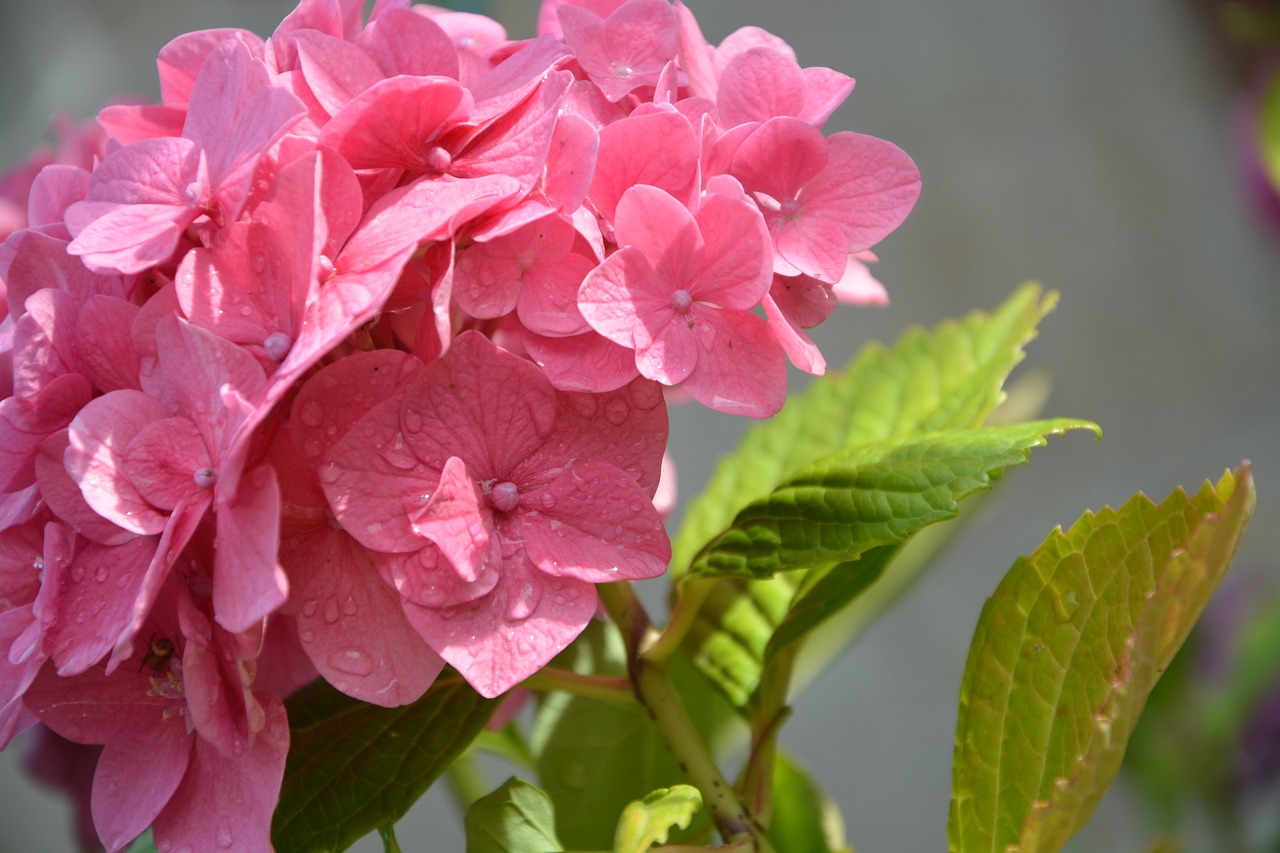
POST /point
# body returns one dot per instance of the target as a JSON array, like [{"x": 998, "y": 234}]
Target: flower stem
[
  {"x": 600, "y": 687},
  {"x": 656, "y": 694},
  {"x": 389, "y": 843},
  {"x": 692, "y": 594}
]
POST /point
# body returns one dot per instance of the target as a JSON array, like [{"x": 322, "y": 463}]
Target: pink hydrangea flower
[{"x": 496, "y": 502}]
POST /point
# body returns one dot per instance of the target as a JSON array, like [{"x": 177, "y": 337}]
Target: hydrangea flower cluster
[{"x": 349, "y": 358}]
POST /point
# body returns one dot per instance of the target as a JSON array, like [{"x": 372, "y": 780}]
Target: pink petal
[
  {"x": 741, "y": 367},
  {"x": 103, "y": 344},
  {"x": 351, "y": 623},
  {"x": 24, "y": 424},
  {"x": 248, "y": 582},
  {"x": 62, "y": 495},
  {"x": 799, "y": 347},
  {"x": 759, "y": 84},
  {"x": 809, "y": 244},
  {"x": 457, "y": 519},
  {"x": 657, "y": 149},
  {"x": 869, "y": 187},
  {"x": 480, "y": 403},
  {"x": 99, "y": 435},
  {"x": 501, "y": 639},
  {"x": 135, "y": 778},
  {"x": 336, "y": 70},
  {"x": 393, "y": 124},
  {"x": 180, "y": 60},
  {"x": 225, "y": 802},
  {"x": 163, "y": 461},
  {"x": 97, "y": 602},
  {"x": 593, "y": 523},
  {"x": 585, "y": 362},
  {"x": 779, "y": 157},
  {"x": 402, "y": 41},
  {"x": 736, "y": 261}
]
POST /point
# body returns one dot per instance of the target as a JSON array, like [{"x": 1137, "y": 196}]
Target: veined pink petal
[
  {"x": 180, "y": 60},
  {"x": 779, "y": 157},
  {"x": 99, "y": 435},
  {"x": 626, "y": 50},
  {"x": 130, "y": 123},
  {"x": 164, "y": 461},
  {"x": 594, "y": 523},
  {"x": 135, "y": 778},
  {"x": 457, "y": 519},
  {"x": 395, "y": 122},
  {"x": 97, "y": 602},
  {"x": 225, "y": 802},
  {"x": 335, "y": 69},
  {"x": 248, "y": 583},
  {"x": 103, "y": 344},
  {"x": 499, "y": 640},
  {"x": 799, "y": 347},
  {"x": 873, "y": 182},
  {"x": 736, "y": 261},
  {"x": 548, "y": 305},
  {"x": 62, "y": 495},
  {"x": 658, "y": 149},
  {"x": 479, "y": 403},
  {"x": 741, "y": 367},
  {"x": 402, "y": 41},
  {"x": 759, "y": 84},
  {"x": 517, "y": 143},
  {"x": 584, "y": 362},
  {"x": 24, "y": 424}
]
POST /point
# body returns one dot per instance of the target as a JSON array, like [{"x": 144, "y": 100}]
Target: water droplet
[
  {"x": 621, "y": 70},
  {"x": 100, "y": 574},
  {"x": 349, "y": 606},
  {"x": 38, "y": 564},
  {"x": 411, "y": 420},
  {"x": 77, "y": 574},
  {"x": 352, "y": 662},
  {"x": 309, "y": 607},
  {"x": 399, "y": 459},
  {"x": 548, "y": 501},
  {"x": 307, "y": 637},
  {"x": 311, "y": 413},
  {"x": 223, "y": 838},
  {"x": 237, "y": 748},
  {"x": 81, "y": 616},
  {"x": 330, "y": 473},
  {"x": 277, "y": 345},
  {"x": 259, "y": 262},
  {"x": 331, "y": 611},
  {"x": 313, "y": 448},
  {"x": 522, "y": 605}
]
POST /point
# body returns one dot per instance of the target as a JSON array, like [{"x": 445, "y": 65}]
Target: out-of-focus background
[{"x": 1089, "y": 145}]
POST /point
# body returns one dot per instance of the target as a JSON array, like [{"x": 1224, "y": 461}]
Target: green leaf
[
  {"x": 647, "y": 822},
  {"x": 1065, "y": 654},
  {"x": 353, "y": 767},
  {"x": 516, "y": 818},
  {"x": 144, "y": 843},
  {"x": 947, "y": 378},
  {"x": 868, "y": 496},
  {"x": 595, "y": 757},
  {"x": 944, "y": 379},
  {"x": 804, "y": 820}
]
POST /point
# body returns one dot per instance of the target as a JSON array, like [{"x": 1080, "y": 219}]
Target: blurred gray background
[{"x": 1085, "y": 144}]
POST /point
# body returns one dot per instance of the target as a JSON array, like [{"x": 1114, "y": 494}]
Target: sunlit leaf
[
  {"x": 647, "y": 822},
  {"x": 1065, "y": 654},
  {"x": 516, "y": 818}
]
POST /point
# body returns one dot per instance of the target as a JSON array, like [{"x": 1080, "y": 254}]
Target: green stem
[
  {"x": 692, "y": 594},
  {"x": 654, "y": 691},
  {"x": 600, "y": 687},
  {"x": 389, "y": 843}
]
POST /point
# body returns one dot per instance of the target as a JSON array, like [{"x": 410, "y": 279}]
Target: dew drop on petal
[
  {"x": 521, "y": 605},
  {"x": 313, "y": 448},
  {"x": 100, "y": 574},
  {"x": 223, "y": 839},
  {"x": 352, "y": 662},
  {"x": 309, "y": 607},
  {"x": 38, "y": 564},
  {"x": 349, "y": 606},
  {"x": 330, "y": 473},
  {"x": 411, "y": 420},
  {"x": 548, "y": 501},
  {"x": 77, "y": 574},
  {"x": 616, "y": 411},
  {"x": 331, "y": 611},
  {"x": 277, "y": 346},
  {"x": 400, "y": 459},
  {"x": 307, "y": 636},
  {"x": 621, "y": 70},
  {"x": 311, "y": 413}
]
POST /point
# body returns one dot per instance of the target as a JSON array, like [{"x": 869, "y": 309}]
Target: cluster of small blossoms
[{"x": 349, "y": 358}]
